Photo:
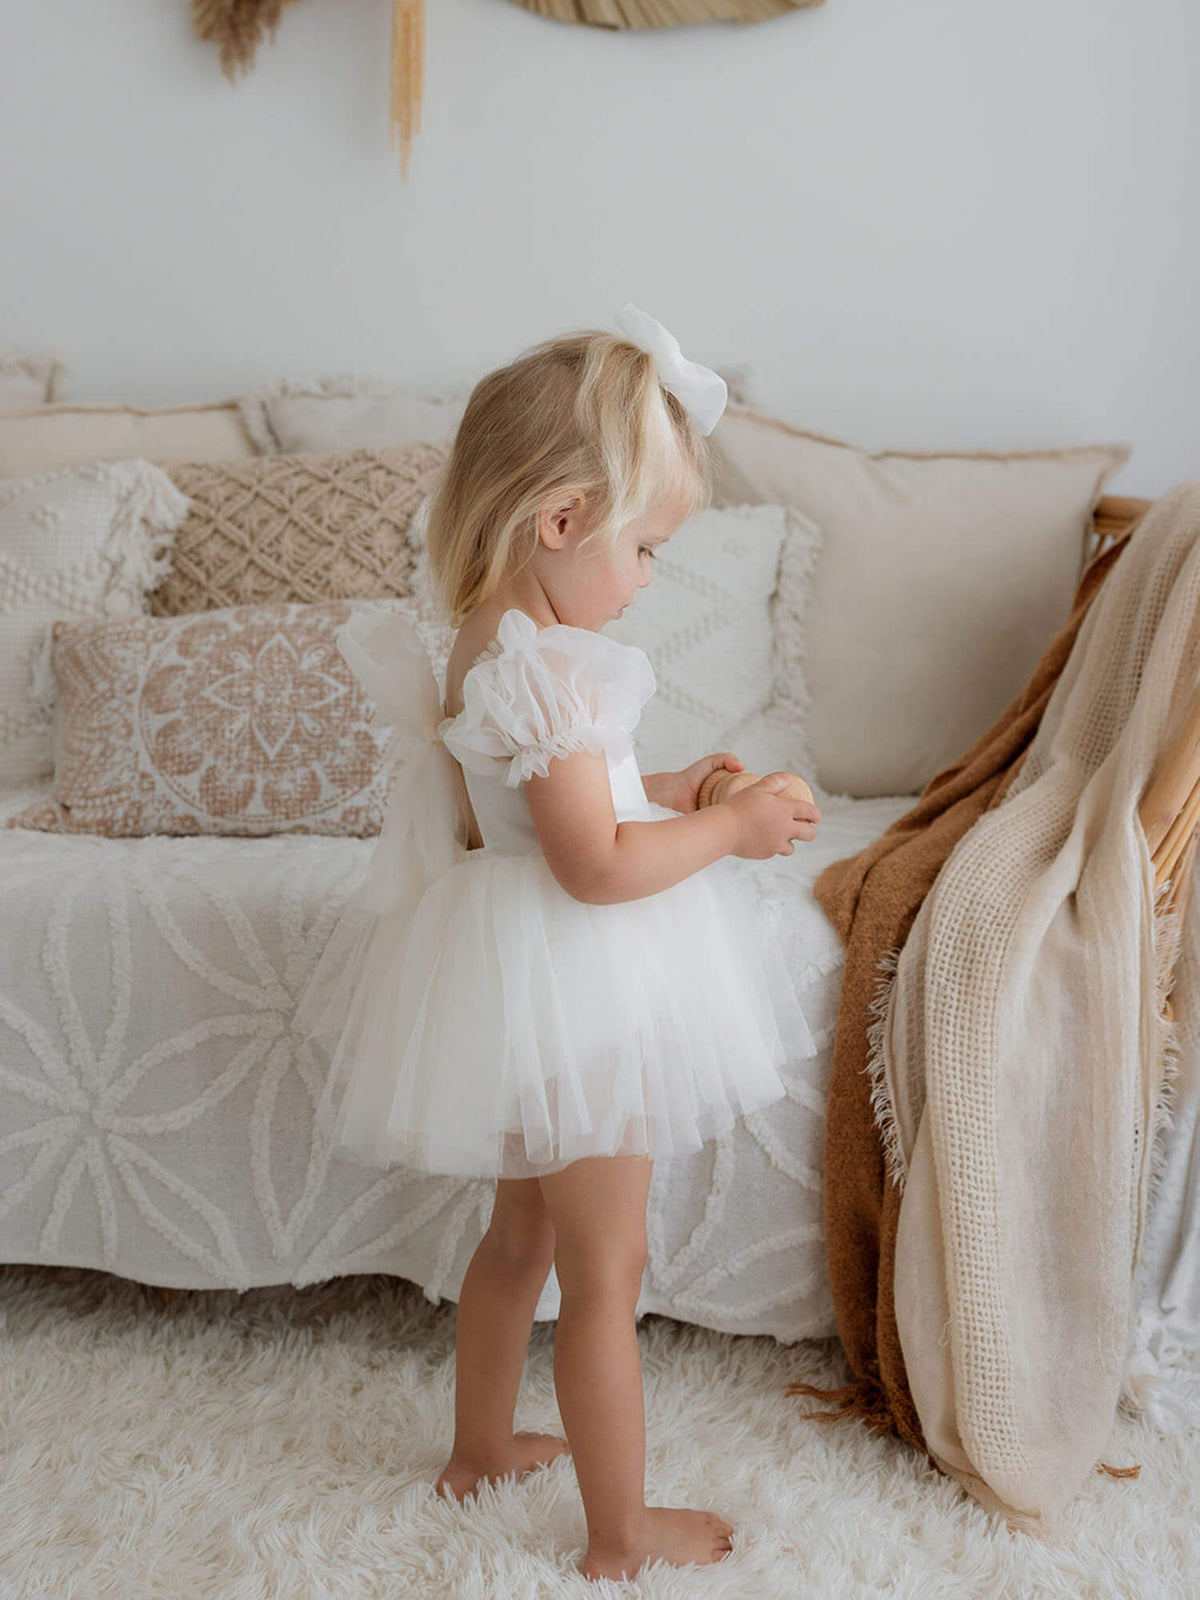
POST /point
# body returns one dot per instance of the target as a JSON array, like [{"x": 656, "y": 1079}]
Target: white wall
[{"x": 929, "y": 223}]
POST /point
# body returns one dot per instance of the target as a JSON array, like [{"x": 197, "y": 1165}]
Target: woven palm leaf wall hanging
[{"x": 237, "y": 27}]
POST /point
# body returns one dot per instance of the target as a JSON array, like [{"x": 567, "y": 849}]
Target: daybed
[{"x": 156, "y": 1121}]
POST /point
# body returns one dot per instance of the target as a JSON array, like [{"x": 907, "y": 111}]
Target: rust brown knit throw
[{"x": 873, "y": 899}]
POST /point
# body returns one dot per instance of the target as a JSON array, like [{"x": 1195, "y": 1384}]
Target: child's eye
[{"x": 646, "y": 551}]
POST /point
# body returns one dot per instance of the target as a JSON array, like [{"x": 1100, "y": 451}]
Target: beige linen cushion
[
  {"x": 77, "y": 542},
  {"x": 941, "y": 579},
  {"x": 300, "y": 528},
  {"x": 245, "y": 720},
  {"x": 29, "y": 378},
  {"x": 345, "y": 412},
  {"x": 39, "y": 439}
]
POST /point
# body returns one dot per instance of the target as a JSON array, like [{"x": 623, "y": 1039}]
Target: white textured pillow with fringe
[
  {"x": 85, "y": 541},
  {"x": 723, "y": 624}
]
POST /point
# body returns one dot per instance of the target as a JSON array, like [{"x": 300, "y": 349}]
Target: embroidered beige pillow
[
  {"x": 245, "y": 720},
  {"x": 76, "y": 432},
  {"x": 74, "y": 542},
  {"x": 302, "y": 528},
  {"x": 941, "y": 579}
]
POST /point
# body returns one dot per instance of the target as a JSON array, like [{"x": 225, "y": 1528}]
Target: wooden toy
[{"x": 721, "y": 784}]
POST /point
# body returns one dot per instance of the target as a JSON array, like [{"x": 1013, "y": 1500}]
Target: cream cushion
[
  {"x": 941, "y": 579},
  {"x": 348, "y": 412},
  {"x": 66, "y": 435},
  {"x": 345, "y": 413},
  {"x": 80, "y": 542}
]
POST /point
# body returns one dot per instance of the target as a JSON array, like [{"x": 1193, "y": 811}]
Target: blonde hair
[{"x": 583, "y": 413}]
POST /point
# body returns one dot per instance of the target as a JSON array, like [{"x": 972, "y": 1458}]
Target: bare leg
[
  {"x": 598, "y": 1208},
  {"x": 492, "y": 1326}
]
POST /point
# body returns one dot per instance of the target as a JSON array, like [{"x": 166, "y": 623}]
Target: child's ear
[{"x": 554, "y": 520}]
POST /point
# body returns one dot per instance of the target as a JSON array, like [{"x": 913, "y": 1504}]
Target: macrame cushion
[
  {"x": 243, "y": 720},
  {"x": 74, "y": 433},
  {"x": 296, "y": 528},
  {"x": 942, "y": 578},
  {"x": 77, "y": 542}
]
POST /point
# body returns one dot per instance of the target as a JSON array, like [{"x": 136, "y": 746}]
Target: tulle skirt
[{"x": 501, "y": 1028}]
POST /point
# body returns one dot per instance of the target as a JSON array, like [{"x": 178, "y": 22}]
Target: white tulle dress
[{"x": 476, "y": 1019}]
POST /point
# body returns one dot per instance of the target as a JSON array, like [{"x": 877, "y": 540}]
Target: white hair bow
[{"x": 700, "y": 390}]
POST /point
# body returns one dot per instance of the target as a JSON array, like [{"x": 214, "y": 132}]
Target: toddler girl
[{"x": 550, "y": 976}]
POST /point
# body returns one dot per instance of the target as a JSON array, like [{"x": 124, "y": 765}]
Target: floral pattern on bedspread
[{"x": 157, "y": 1119}]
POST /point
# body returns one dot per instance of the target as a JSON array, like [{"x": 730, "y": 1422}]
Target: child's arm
[{"x": 601, "y": 861}]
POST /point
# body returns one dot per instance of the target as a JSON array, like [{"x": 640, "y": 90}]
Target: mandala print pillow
[{"x": 239, "y": 720}]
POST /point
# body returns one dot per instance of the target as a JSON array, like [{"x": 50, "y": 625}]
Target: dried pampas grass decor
[{"x": 237, "y": 28}]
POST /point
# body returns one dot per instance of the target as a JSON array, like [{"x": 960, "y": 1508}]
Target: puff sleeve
[{"x": 544, "y": 692}]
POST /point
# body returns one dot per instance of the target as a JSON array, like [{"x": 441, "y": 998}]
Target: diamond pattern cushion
[
  {"x": 709, "y": 622},
  {"x": 330, "y": 526}
]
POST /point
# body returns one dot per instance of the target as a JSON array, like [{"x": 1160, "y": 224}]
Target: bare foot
[
  {"x": 526, "y": 1452},
  {"x": 671, "y": 1533}
]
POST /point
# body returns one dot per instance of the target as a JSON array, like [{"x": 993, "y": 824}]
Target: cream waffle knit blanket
[{"x": 1022, "y": 1059}]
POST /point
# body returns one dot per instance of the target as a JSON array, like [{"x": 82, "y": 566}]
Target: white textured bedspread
[{"x": 156, "y": 1123}]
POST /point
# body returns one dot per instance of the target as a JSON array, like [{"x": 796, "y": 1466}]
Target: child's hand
[{"x": 678, "y": 790}]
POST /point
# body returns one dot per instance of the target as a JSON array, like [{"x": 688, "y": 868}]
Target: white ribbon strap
[{"x": 700, "y": 390}]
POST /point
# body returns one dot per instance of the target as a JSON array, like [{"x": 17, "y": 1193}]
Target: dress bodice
[
  {"x": 538, "y": 692},
  {"x": 503, "y": 814}
]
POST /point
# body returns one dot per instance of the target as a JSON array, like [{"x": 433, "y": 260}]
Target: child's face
[
  {"x": 593, "y": 588},
  {"x": 611, "y": 590},
  {"x": 638, "y": 547}
]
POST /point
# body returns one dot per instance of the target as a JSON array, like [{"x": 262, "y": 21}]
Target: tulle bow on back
[{"x": 423, "y": 830}]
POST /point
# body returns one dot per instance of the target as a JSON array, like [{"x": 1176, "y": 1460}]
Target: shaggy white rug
[{"x": 284, "y": 1443}]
